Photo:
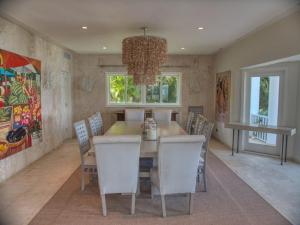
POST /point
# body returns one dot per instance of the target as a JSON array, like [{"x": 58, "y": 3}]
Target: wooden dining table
[{"x": 148, "y": 147}]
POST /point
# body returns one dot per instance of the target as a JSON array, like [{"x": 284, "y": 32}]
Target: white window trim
[{"x": 143, "y": 92}]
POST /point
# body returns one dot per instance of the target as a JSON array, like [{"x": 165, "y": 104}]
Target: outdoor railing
[{"x": 261, "y": 120}]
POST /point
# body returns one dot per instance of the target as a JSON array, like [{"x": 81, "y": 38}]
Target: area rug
[{"x": 228, "y": 201}]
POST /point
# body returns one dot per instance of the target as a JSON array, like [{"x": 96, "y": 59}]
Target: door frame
[{"x": 245, "y": 107}]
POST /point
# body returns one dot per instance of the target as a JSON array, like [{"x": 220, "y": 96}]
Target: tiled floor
[
  {"x": 278, "y": 185},
  {"x": 23, "y": 195}
]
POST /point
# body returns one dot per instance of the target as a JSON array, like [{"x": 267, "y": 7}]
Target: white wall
[
  {"x": 279, "y": 40},
  {"x": 56, "y": 93}
]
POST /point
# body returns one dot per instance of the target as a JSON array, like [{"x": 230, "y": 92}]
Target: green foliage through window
[
  {"x": 123, "y": 91},
  {"x": 264, "y": 96}
]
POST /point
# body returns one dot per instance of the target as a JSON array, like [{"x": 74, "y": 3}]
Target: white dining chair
[
  {"x": 206, "y": 131},
  {"x": 162, "y": 115},
  {"x": 178, "y": 160},
  {"x": 118, "y": 165},
  {"x": 190, "y": 122},
  {"x": 88, "y": 161},
  {"x": 99, "y": 120},
  {"x": 96, "y": 124},
  {"x": 135, "y": 115},
  {"x": 199, "y": 124}
]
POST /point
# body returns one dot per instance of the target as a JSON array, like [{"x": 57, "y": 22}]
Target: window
[{"x": 121, "y": 90}]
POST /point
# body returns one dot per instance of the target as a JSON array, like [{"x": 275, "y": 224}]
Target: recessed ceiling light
[
  {"x": 200, "y": 28},
  {"x": 104, "y": 47},
  {"x": 84, "y": 27},
  {"x": 182, "y": 48}
]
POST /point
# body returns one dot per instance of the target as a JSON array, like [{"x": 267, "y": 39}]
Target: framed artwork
[
  {"x": 20, "y": 103},
  {"x": 223, "y": 85}
]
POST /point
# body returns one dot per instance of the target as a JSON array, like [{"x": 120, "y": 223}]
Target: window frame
[{"x": 143, "y": 92}]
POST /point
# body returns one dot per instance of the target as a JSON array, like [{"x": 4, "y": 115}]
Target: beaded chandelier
[{"x": 143, "y": 56}]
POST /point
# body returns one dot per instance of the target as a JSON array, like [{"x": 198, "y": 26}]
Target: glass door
[{"x": 263, "y": 99}]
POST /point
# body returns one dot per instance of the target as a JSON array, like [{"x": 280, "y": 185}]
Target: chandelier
[{"x": 143, "y": 56}]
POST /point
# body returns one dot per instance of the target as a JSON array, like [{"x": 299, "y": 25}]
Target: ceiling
[{"x": 109, "y": 21}]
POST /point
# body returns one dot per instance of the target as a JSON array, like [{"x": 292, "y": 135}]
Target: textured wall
[
  {"x": 89, "y": 84},
  {"x": 56, "y": 93},
  {"x": 278, "y": 40}
]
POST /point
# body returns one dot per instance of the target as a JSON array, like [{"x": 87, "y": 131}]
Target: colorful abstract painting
[
  {"x": 20, "y": 103},
  {"x": 223, "y": 96}
]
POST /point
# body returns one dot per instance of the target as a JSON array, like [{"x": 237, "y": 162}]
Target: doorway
[{"x": 262, "y": 93}]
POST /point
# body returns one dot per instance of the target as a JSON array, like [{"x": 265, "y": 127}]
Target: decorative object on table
[
  {"x": 150, "y": 129},
  {"x": 143, "y": 56},
  {"x": 20, "y": 100},
  {"x": 223, "y": 83}
]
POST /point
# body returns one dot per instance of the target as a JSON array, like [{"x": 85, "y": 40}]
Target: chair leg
[
  {"x": 198, "y": 176},
  {"x": 163, "y": 205},
  {"x": 138, "y": 192},
  {"x": 104, "y": 210},
  {"x": 82, "y": 181},
  {"x": 204, "y": 180},
  {"x": 152, "y": 191},
  {"x": 133, "y": 204},
  {"x": 191, "y": 203}
]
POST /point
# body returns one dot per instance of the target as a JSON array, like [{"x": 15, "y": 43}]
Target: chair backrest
[
  {"x": 117, "y": 163},
  {"x": 196, "y": 109},
  {"x": 96, "y": 124},
  {"x": 82, "y": 136},
  {"x": 190, "y": 122},
  {"x": 199, "y": 124},
  {"x": 99, "y": 120},
  {"x": 178, "y": 160},
  {"x": 162, "y": 115},
  {"x": 206, "y": 132},
  {"x": 99, "y": 117},
  {"x": 134, "y": 115}
]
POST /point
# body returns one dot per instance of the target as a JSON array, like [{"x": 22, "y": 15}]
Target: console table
[{"x": 283, "y": 131}]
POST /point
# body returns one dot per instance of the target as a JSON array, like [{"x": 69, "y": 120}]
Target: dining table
[{"x": 149, "y": 148}]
